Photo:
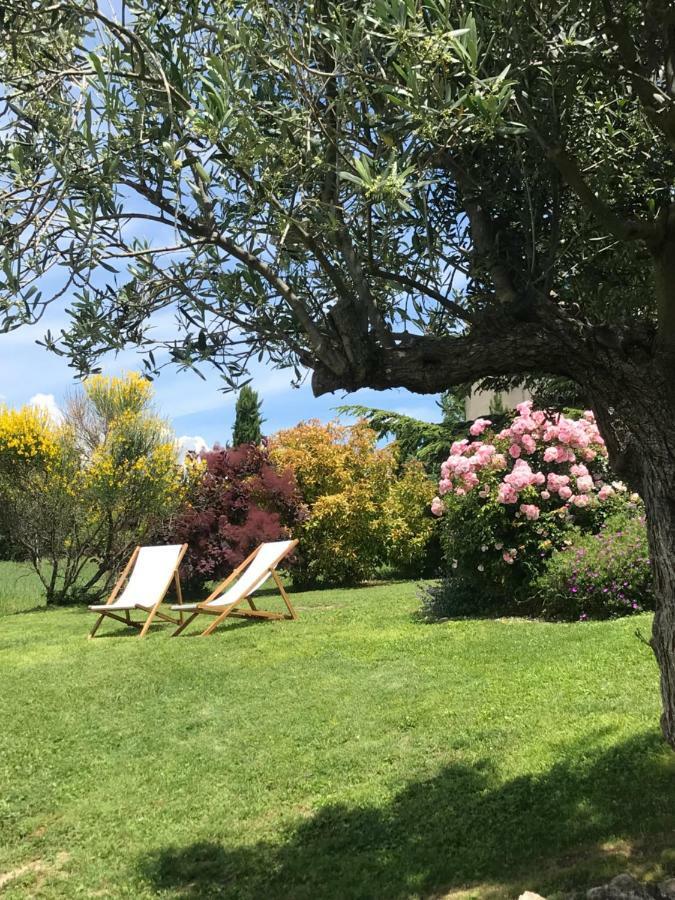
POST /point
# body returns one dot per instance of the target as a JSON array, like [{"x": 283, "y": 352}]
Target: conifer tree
[{"x": 248, "y": 421}]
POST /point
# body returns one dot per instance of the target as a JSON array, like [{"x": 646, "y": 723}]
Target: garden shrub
[
  {"x": 362, "y": 514},
  {"x": 599, "y": 576},
  {"x": 77, "y": 496},
  {"x": 510, "y": 499},
  {"x": 342, "y": 541},
  {"x": 343, "y": 479},
  {"x": 412, "y": 545},
  {"x": 234, "y": 499}
]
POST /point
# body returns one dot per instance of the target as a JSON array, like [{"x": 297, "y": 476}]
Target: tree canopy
[{"x": 338, "y": 183}]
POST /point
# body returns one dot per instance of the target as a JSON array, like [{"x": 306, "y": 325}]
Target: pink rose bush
[
  {"x": 545, "y": 460},
  {"x": 509, "y": 497}
]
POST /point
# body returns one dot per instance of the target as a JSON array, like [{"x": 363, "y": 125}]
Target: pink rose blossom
[
  {"x": 555, "y": 482},
  {"x": 479, "y": 427},
  {"x": 499, "y": 461},
  {"x": 437, "y": 507},
  {"x": 506, "y": 494},
  {"x": 584, "y": 484},
  {"x": 529, "y": 443},
  {"x": 568, "y": 443},
  {"x": 469, "y": 481}
]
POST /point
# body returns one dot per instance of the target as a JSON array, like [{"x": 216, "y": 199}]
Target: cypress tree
[{"x": 247, "y": 420}]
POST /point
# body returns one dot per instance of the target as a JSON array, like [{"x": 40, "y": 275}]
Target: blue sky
[{"x": 195, "y": 407}]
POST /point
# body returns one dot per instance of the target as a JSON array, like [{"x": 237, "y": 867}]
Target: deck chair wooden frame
[
  {"x": 153, "y": 612},
  {"x": 222, "y": 612}
]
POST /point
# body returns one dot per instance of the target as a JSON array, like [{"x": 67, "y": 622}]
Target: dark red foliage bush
[{"x": 239, "y": 500}]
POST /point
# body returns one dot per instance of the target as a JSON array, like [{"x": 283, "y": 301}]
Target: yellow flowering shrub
[
  {"x": 28, "y": 440},
  {"x": 119, "y": 396},
  {"x": 87, "y": 490}
]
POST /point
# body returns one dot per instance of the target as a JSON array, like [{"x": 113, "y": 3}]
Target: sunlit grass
[{"x": 355, "y": 753}]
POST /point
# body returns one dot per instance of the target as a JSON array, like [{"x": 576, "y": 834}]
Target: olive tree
[{"x": 390, "y": 193}]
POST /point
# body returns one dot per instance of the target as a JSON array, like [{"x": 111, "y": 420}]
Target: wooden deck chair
[
  {"x": 226, "y": 599},
  {"x": 148, "y": 576}
]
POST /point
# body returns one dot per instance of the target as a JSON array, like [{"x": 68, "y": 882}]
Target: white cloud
[
  {"x": 190, "y": 443},
  {"x": 48, "y": 404}
]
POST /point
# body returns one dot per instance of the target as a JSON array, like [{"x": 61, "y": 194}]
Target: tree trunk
[
  {"x": 659, "y": 498},
  {"x": 635, "y": 409}
]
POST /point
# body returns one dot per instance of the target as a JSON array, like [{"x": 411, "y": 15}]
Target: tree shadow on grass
[
  {"x": 118, "y": 630},
  {"x": 195, "y": 629},
  {"x": 461, "y": 827}
]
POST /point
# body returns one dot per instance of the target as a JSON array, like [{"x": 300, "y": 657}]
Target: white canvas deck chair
[
  {"x": 250, "y": 575},
  {"x": 148, "y": 576}
]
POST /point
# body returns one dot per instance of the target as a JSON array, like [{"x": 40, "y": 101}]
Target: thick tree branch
[
  {"x": 428, "y": 365},
  {"x": 360, "y": 280}
]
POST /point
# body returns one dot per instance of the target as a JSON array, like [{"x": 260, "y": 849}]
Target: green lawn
[
  {"x": 356, "y": 753},
  {"x": 20, "y": 588}
]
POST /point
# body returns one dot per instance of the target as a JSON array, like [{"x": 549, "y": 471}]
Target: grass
[
  {"x": 356, "y": 753},
  {"x": 20, "y": 588}
]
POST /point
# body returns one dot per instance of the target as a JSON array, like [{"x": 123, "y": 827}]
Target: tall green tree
[
  {"x": 391, "y": 193},
  {"x": 247, "y": 418}
]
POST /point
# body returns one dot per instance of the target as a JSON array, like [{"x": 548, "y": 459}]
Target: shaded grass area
[{"x": 356, "y": 753}]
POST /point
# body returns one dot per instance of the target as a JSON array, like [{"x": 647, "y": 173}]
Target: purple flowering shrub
[{"x": 599, "y": 576}]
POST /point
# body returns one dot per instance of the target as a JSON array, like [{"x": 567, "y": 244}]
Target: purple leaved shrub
[{"x": 236, "y": 498}]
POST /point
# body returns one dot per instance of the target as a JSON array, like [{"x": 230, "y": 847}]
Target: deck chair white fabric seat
[
  {"x": 148, "y": 575},
  {"x": 237, "y": 588}
]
